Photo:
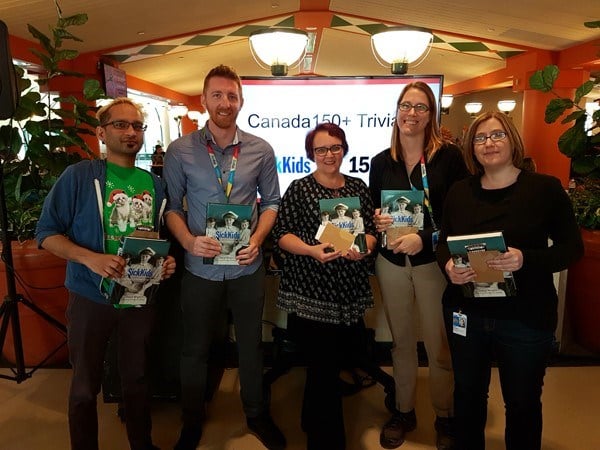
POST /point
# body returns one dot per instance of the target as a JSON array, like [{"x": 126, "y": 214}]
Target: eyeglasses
[
  {"x": 334, "y": 149},
  {"x": 124, "y": 125},
  {"x": 495, "y": 136},
  {"x": 420, "y": 108}
]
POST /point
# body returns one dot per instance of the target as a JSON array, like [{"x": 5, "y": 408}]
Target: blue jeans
[{"x": 522, "y": 354}]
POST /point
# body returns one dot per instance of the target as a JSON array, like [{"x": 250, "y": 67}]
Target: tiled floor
[{"x": 32, "y": 414}]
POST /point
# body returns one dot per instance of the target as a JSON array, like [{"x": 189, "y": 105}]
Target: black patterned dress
[{"x": 337, "y": 292}]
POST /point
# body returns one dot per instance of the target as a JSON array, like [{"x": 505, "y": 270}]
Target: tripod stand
[{"x": 9, "y": 311}]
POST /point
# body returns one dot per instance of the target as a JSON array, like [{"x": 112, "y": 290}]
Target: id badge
[
  {"x": 459, "y": 323},
  {"x": 434, "y": 239}
]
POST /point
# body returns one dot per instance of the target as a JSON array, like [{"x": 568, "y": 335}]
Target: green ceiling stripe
[
  {"x": 202, "y": 40},
  {"x": 119, "y": 58},
  {"x": 337, "y": 21},
  {"x": 157, "y": 49},
  {"x": 372, "y": 28},
  {"x": 289, "y": 22},
  {"x": 469, "y": 46},
  {"x": 505, "y": 54},
  {"x": 247, "y": 29}
]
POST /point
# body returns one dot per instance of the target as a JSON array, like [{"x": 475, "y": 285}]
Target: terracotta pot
[
  {"x": 583, "y": 293},
  {"x": 40, "y": 279}
]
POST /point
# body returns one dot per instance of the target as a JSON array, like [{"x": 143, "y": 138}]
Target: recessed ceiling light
[{"x": 141, "y": 33}]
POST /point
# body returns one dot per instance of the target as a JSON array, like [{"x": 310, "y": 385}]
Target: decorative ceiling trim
[{"x": 344, "y": 23}]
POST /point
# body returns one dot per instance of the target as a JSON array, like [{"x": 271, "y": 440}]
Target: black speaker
[{"x": 9, "y": 86}]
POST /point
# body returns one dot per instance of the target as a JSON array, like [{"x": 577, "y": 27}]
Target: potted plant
[
  {"x": 36, "y": 146},
  {"x": 581, "y": 143}
]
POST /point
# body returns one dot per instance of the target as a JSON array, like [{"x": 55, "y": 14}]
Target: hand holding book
[
  {"x": 483, "y": 265},
  {"x": 509, "y": 261}
]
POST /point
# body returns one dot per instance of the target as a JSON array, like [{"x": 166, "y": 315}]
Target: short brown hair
[
  {"x": 512, "y": 134},
  {"x": 332, "y": 130},
  {"x": 223, "y": 71}
]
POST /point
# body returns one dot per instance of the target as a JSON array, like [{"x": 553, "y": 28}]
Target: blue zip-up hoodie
[{"x": 74, "y": 208}]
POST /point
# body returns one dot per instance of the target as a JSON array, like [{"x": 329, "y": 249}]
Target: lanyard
[
  {"x": 215, "y": 163},
  {"x": 426, "y": 190}
]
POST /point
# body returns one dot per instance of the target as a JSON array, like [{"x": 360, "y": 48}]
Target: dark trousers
[
  {"x": 203, "y": 304},
  {"x": 90, "y": 326},
  {"x": 327, "y": 349},
  {"x": 522, "y": 355}
]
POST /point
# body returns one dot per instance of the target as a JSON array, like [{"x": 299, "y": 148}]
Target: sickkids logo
[{"x": 292, "y": 164}]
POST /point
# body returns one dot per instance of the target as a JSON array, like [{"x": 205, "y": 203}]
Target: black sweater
[
  {"x": 529, "y": 212},
  {"x": 446, "y": 167}
]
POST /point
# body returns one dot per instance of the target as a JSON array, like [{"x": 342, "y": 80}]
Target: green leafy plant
[
  {"x": 586, "y": 203},
  {"x": 580, "y": 142},
  {"x": 50, "y": 130}
]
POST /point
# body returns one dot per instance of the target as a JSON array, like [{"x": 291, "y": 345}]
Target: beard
[{"x": 224, "y": 121}]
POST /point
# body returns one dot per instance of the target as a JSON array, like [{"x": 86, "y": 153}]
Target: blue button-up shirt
[{"x": 190, "y": 175}]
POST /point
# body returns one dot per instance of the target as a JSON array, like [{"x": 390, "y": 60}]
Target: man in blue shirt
[{"x": 221, "y": 164}]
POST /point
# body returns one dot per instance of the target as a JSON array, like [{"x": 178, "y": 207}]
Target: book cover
[
  {"x": 143, "y": 271},
  {"x": 345, "y": 214},
  {"x": 230, "y": 225},
  {"x": 338, "y": 237},
  {"x": 406, "y": 209},
  {"x": 474, "y": 250}
]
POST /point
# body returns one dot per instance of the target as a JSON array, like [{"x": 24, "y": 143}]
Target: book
[
  {"x": 474, "y": 250},
  {"x": 342, "y": 224},
  {"x": 230, "y": 224},
  {"x": 406, "y": 209},
  {"x": 338, "y": 237},
  {"x": 143, "y": 271}
]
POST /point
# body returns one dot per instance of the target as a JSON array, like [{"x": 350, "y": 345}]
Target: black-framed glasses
[
  {"x": 124, "y": 125},
  {"x": 420, "y": 108},
  {"x": 495, "y": 136},
  {"x": 334, "y": 149}
]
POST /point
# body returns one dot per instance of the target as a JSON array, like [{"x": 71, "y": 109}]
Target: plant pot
[
  {"x": 39, "y": 278},
  {"x": 583, "y": 295}
]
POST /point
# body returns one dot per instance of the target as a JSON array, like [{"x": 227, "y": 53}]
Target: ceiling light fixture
[
  {"x": 400, "y": 46},
  {"x": 473, "y": 108},
  {"x": 447, "y": 100},
  {"x": 506, "y": 106},
  {"x": 278, "y": 48}
]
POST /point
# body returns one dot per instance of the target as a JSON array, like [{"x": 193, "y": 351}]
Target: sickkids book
[
  {"x": 474, "y": 250},
  {"x": 230, "y": 224},
  {"x": 143, "y": 271},
  {"x": 406, "y": 209},
  {"x": 342, "y": 224}
]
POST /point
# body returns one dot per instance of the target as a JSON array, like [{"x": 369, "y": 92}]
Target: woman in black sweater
[{"x": 530, "y": 209}]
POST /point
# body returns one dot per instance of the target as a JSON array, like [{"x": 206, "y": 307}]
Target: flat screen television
[
  {"x": 284, "y": 110},
  {"x": 115, "y": 81}
]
